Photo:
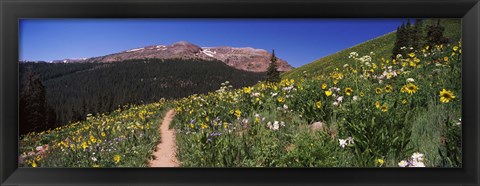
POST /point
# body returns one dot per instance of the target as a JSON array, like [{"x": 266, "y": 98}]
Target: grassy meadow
[
  {"x": 354, "y": 108},
  {"x": 371, "y": 112},
  {"x": 123, "y": 138}
]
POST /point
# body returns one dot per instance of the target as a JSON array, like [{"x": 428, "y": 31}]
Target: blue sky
[{"x": 298, "y": 41}]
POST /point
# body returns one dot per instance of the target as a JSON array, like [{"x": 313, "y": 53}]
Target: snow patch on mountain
[
  {"x": 136, "y": 49},
  {"x": 209, "y": 53}
]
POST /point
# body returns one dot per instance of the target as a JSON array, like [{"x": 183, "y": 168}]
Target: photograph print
[{"x": 368, "y": 93}]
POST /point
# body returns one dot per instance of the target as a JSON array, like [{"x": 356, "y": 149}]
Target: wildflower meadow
[
  {"x": 372, "y": 112},
  {"x": 362, "y": 109}
]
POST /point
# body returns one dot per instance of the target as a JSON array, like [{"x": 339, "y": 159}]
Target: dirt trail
[{"x": 165, "y": 156}]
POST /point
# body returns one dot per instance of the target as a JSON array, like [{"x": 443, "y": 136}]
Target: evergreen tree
[
  {"x": 273, "y": 75},
  {"x": 435, "y": 35},
  {"x": 401, "y": 41},
  {"x": 409, "y": 37},
  {"x": 396, "y": 46},
  {"x": 417, "y": 34},
  {"x": 35, "y": 115}
]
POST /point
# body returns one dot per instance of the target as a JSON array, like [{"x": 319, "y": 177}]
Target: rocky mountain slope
[{"x": 249, "y": 59}]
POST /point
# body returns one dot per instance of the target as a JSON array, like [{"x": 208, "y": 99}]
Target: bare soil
[{"x": 165, "y": 154}]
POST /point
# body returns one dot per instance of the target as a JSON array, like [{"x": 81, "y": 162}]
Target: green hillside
[
  {"x": 381, "y": 47},
  {"x": 112, "y": 84},
  {"x": 406, "y": 113}
]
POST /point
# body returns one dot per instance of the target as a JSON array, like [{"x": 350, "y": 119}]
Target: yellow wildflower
[
  {"x": 84, "y": 145},
  {"x": 410, "y": 88},
  {"x": 318, "y": 104},
  {"x": 238, "y": 113},
  {"x": 388, "y": 88},
  {"x": 348, "y": 91},
  {"x": 203, "y": 126},
  {"x": 446, "y": 96},
  {"x": 380, "y": 161},
  {"x": 247, "y": 90},
  {"x": 328, "y": 93},
  {"x": 116, "y": 158},
  {"x": 384, "y": 108}
]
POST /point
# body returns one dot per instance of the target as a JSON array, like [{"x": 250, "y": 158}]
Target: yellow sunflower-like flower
[
  {"x": 411, "y": 54},
  {"x": 377, "y": 104},
  {"x": 362, "y": 94},
  {"x": 388, "y": 88},
  {"x": 324, "y": 86},
  {"x": 380, "y": 161},
  {"x": 328, "y": 93},
  {"x": 93, "y": 139},
  {"x": 281, "y": 99},
  {"x": 410, "y": 88},
  {"x": 445, "y": 59},
  {"x": 348, "y": 91},
  {"x": 203, "y": 126},
  {"x": 238, "y": 113},
  {"x": 84, "y": 145},
  {"x": 116, "y": 158},
  {"x": 378, "y": 90},
  {"x": 384, "y": 108},
  {"x": 247, "y": 90},
  {"x": 446, "y": 96},
  {"x": 318, "y": 104}
]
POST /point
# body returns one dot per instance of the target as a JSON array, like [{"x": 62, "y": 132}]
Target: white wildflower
[
  {"x": 417, "y": 156},
  {"x": 342, "y": 142},
  {"x": 403, "y": 163},
  {"x": 276, "y": 125},
  {"x": 340, "y": 99},
  {"x": 349, "y": 139}
]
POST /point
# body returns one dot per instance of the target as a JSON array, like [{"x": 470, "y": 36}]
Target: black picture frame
[{"x": 12, "y": 10}]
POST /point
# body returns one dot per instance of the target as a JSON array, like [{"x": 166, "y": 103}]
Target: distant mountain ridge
[{"x": 246, "y": 58}]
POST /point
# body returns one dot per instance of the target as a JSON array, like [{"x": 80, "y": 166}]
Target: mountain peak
[
  {"x": 245, "y": 58},
  {"x": 183, "y": 43}
]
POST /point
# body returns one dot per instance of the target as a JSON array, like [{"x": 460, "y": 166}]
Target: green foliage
[
  {"x": 36, "y": 114},
  {"x": 124, "y": 138},
  {"x": 435, "y": 35},
  {"x": 370, "y": 112},
  {"x": 381, "y": 46},
  {"x": 273, "y": 75},
  {"x": 355, "y": 108},
  {"x": 77, "y": 89}
]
